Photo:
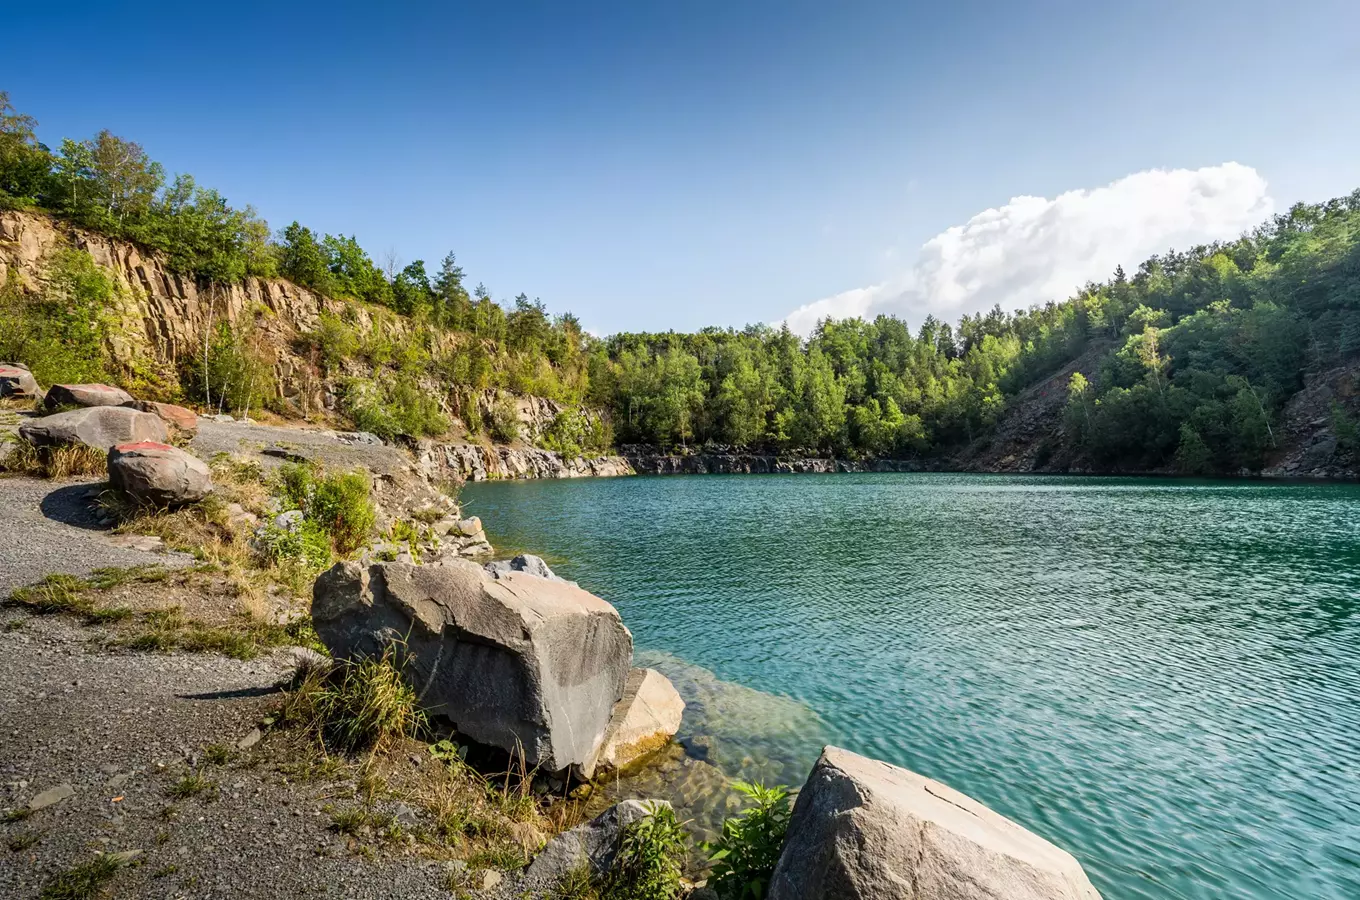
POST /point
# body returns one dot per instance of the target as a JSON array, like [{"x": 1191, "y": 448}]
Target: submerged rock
[
  {"x": 17, "y": 381},
  {"x": 644, "y": 721},
  {"x": 100, "y": 427},
  {"x": 155, "y": 474},
  {"x": 513, "y": 661},
  {"x": 60, "y": 395},
  {"x": 865, "y": 829}
]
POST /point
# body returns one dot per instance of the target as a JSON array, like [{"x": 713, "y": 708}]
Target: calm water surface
[{"x": 1161, "y": 676}]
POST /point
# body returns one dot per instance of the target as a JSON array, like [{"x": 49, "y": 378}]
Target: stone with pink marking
[
  {"x": 155, "y": 474},
  {"x": 66, "y": 395}
]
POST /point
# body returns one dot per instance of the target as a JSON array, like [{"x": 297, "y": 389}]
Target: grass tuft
[
  {"x": 357, "y": 705},
  {"x": 85, "y": 881}
]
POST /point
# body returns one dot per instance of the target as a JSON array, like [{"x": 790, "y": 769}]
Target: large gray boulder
[
  {"x": 63, "y": 395},
  {"x": 513, "y": 661},
  {"x": 865, "y": 829},
  {"x": 99, "y": 427},
  {"x": 155, "y": 474},
  {"x": 17, "y": 381}
]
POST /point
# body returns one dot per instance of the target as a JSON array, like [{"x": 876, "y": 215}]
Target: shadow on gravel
[
  {"x": 74, "y": 505},
  {"x": 238, "y": 694}
]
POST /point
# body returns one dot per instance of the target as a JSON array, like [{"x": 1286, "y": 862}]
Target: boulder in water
[
  {"x": 156, "y": 474},
  {"x": 513, "y": 661},
  {"x": 644, "y": 721},
  {"x": 525, "y": 562},
  {"x": 64, "y": 395},
  {"x": 865, "y": 829},
  {"x": 100, "y": 427}
]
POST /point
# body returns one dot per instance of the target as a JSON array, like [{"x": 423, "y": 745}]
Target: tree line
[{"x": 1187, "y": 362}]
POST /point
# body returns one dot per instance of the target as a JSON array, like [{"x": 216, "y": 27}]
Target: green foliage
[
  {"x": 308, "y": 546},
  {"x": 396, "y": 406},
  {"x": 232, "y": 374},
  {"x": 60, "y": 332},
  {"x": 745, "y": 856},
  {"x": 576, "y": 432},
  {"x": 648, "y": 863},
  {"x": 1346, "y": 428},
  {"x": 504, "y": 424},
  {"x": 335, "y": 339},
  {"x": 337, "y": 505}
]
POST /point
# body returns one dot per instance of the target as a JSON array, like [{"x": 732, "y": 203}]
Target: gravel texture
[
  {"x": 121, "y": 729},
  {"x": 53, "y": 526}
]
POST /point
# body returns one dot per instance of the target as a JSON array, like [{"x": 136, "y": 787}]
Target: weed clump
[
  {"x": 745, "y": 856},
  {"x": 85, "y": 881},
  {"x": 63, "y": 461},
  {"x": 357, "y": 705}
]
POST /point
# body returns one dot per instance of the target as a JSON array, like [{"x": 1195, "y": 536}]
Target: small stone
[
  {"x": 250, "y": 740},
  {"x": 491, "y": 878},
  {"x": 51, "y": 796}
]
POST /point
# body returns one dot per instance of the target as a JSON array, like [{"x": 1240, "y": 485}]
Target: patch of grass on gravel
[
  {"x": 193, "y": 785},
  {"x": 23, "y": 840},
  {"x": 85, "y": 881},
  {"x": 59, "y": 593},
  {"x": 357, "y": 705}
]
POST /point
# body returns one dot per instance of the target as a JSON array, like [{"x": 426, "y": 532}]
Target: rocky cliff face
[
  {"x": 476, "y": 462},
  {"x": 650, "y": 461},
  {"x": 163, "y": 316}
]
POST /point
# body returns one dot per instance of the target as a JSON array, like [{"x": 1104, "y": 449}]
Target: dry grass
[{"x": 67, "y": 461}]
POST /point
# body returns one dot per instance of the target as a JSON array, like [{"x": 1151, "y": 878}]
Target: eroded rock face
[
  {"x": 17, "y": 381},
  {"x": 100, "y": 427},
  {"x": 515, "y": 661},
  {"x": 61, "y": 395},
  {"x": 865, "y": 829},
  {"x": 156, "y": 474},
  {"x": 182, "y": 421},
  {"x": 644, "y": 721}
]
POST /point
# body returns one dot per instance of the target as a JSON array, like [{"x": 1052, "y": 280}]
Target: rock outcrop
[
  {"x": 644, "y": 721},
  {"x": 475, "y": 462},
  {"x": 155, "y": 474},
  {"x": 866, "y": 830},
  {"x": 513, "y": 662},
  {"x": 98, "y": 427},
  {"x": 60, "y": 396},
  {"x": 17, "y": 381},
  {"x": 651, "y": 461}
]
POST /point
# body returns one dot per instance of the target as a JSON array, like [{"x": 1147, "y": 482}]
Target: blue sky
[{"x": 672, "y": 165}]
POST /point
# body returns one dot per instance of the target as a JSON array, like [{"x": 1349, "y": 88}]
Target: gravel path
[
  {"x": 121, "y": 729},
  {"x": 50, "y": 526}
]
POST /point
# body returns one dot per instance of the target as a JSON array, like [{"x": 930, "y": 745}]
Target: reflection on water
[{"x": 1158, "y": 675}]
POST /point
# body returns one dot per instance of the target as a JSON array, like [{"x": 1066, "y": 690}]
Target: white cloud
[{"x": 1033, "y": 249}]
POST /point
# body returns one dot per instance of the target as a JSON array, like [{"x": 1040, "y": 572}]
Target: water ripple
[{"x": 1159, "y": 676}]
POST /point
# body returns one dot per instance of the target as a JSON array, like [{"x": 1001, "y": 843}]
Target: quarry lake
[{"x": 1161, "y": 676}]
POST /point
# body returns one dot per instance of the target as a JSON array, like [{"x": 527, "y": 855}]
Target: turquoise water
[{"x": 1163, "y": 677}]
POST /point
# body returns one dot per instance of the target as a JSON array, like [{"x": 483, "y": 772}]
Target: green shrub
[
  {"x": 504, "y": 425},
  {"x": 60, "y": 332},
  {"x": 307, "y": 545},
  {"x": 648, "y": 864},
  {"x": 334, "y": 339},
  {"x": 341, "y": 505},
  {"x": 398, "y": 406},
  {"x": 337, "y": 506},
  {"x": 574, "y": 432},
  {"x": 744, "y": 857}
]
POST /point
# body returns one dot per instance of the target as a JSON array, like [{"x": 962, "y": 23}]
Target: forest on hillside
[{"x": 1199, "y": 349}]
